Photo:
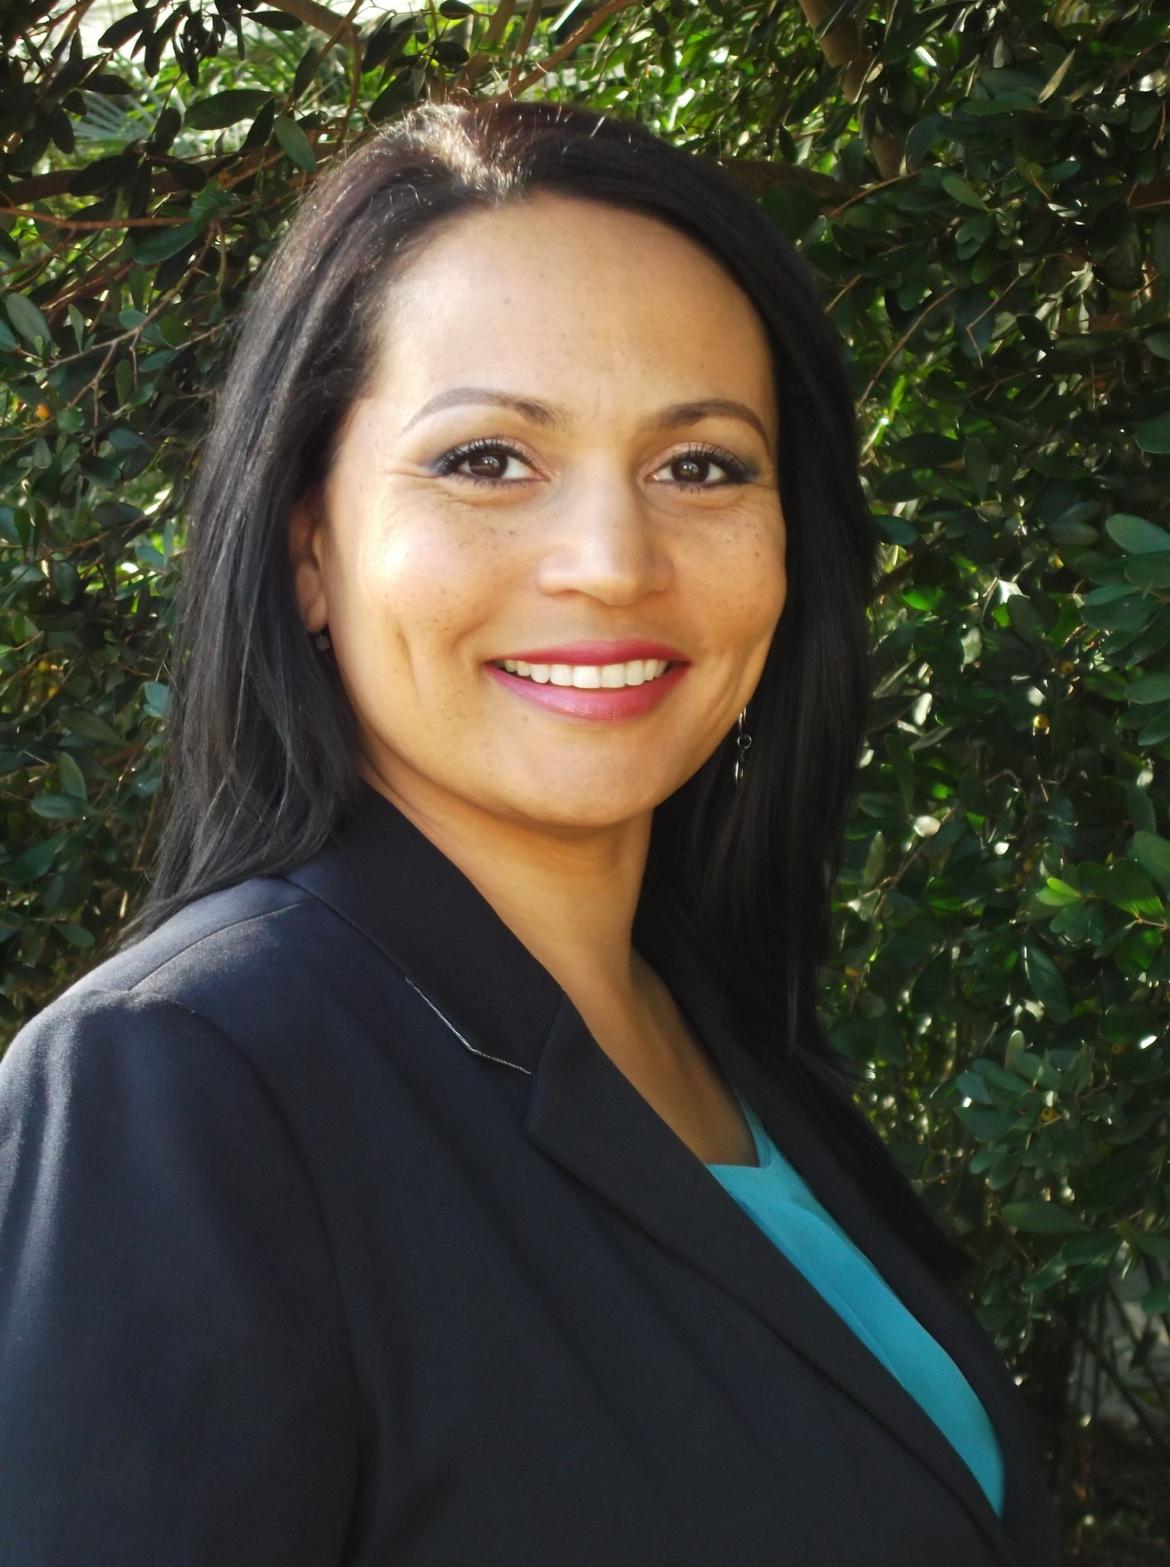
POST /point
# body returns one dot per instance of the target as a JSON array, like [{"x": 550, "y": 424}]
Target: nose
[{"x": 605, "y": 540}]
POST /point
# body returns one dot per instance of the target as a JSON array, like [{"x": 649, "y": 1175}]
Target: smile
[
  {"x": 600, "y": 692},
  {"x": 589, "y": 677}
]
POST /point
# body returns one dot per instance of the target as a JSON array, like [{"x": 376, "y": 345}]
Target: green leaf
[
  {"x": 1024, "y": 620},
  {"x": 1135, "y": 535},
  {"x": 155, "y": 694},
  {"x": 1011, "y": 1082},
  {"x": 58, "y": 807},
  {"x": 1085, "y": 1249},
  {"x": 1149, "y": 571},
  {"x": 986, "y": 1125},
  {"x": 150, "y": 245},
  {"x": 34, "y": 862},
  {"x": 1154, "y": 435},
  {"x": 1153, "y": 852},
  {"x": 896, "y": 529},
  {"x": 1014, "y": 1048},
  {"x": 1157, "y": 1246},
  {"x": 972, "y": 1085},
  {"x": 1132, "y": 890},
  {"x": 305, "y": 71},
  {"x": 977, "y": 460},
  {"x": 225, "y": 108},
  {"x": 279, "y": 21},
  {"x": 72, "y": 778},
  {"x": 397, "y": 94},
  {"x": 1041, "y": 1218},
  {"x": 961, "y": 191},
  {"x": 1045, "y": 979},
  {"x": 1140, "y": 808},
  {"x": 76, "y": 935},
  {"x": 91, "y": 726},
  {"x": 1059, "y": 893},
  {"x": 28, "y": 320},
  {"x": 1157, "y": 1300},
  {"x": 123, "y": 29},
  {"x": 793, "y": 208},
  {"x": 875, "y": 861},
  {"x": 109, "y": 83},
  {"x": 1056, "y": 78},
  {"x": 384, "y": 40},
  {"x": 1046, "y": 1276},
  {"x": 294, "y": 142},
  {"x": 1149, "y": 688},
  {"x": 1157, "y": 730}
]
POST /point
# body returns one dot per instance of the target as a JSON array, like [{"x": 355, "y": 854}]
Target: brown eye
[
  {"x": 692, "y": 468},
  {"x": 495, "y": 455},
  {"x": 496, "y": 462},
  {"x": 700, "y": 459}
]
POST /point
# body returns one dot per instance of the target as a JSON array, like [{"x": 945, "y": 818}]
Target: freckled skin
[{"x": 422, "y": 578}]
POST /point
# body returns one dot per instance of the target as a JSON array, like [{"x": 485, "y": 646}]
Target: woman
[{"x": 449, "y": 1168}]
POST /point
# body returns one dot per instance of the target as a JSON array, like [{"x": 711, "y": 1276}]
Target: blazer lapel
[
  {"x": 586, "y": 1115},
  {"x": 384, "y": 876},
  {"x": 945, "y": 1315}
]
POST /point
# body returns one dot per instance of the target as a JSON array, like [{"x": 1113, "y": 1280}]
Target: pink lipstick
[
  {"x": 605, "y": 703},
  {"x": 619, "y": 652}
]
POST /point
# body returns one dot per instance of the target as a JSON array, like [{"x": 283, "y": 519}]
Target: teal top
[{"x": 778, "y": 1199}]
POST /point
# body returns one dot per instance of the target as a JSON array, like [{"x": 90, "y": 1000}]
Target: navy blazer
[{"x": 330, "y": 1235}]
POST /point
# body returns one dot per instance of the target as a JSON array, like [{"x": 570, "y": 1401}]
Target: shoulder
[
  {"x": 164, "y": 1248},
  {"x": 249, "y": 969},
  {"x": 197, "y": 1032},
  {"x": 257, "y": 924}
]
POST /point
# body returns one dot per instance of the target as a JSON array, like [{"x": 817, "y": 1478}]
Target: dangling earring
[{"x": 743, "y": 742}]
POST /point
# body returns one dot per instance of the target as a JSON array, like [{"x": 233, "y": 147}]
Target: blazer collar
[{"x": 384, "y": 876}]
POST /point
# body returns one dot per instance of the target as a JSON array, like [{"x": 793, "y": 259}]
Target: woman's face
[{"x": 606, "y": 514}]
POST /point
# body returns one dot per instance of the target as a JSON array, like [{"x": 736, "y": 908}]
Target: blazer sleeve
[{"x": 175, "y": 1377}]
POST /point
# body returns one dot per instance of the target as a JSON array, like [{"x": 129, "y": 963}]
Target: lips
[
  {"x": 599, "y": 705},
  {"x": 622, "y": 652}
]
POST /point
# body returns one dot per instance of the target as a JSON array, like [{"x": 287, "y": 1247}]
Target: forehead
[{"x": 575, "y": 299}]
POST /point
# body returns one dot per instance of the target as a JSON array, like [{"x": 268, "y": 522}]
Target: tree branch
[
  {"x": 574, "y": 41},
  {"x": 323, "y": 19},
  {"x": 842, "y": 46},
  {"x": 481, "y": 59}
]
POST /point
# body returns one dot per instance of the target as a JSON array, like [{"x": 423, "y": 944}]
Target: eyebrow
[{"x": 552, "y": 417}]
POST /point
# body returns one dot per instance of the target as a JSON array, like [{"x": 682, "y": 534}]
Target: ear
[{"x": 305, "y": 526}]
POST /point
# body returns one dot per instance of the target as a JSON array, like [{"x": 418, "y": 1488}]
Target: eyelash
[{"x": 738, "y": 471}]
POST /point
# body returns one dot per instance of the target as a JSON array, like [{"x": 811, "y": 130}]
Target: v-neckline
[{"x": 760, "y": 1139}]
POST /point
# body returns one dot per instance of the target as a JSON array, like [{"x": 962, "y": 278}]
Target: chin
[{"x": 568, "y": 807}]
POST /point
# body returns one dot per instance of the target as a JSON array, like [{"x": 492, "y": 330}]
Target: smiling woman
[
  {"x": 451, "y": 1166},
  {"x": 585, "y": 520}
]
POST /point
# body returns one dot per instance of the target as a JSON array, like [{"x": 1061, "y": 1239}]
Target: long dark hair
[{"x": 262, "y": 744}]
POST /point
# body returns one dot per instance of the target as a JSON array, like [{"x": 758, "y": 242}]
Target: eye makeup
[{"x": 738, "y": 471}]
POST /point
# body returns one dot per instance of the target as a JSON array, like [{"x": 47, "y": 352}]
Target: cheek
[
  {"x": 741, "y": 578},
  {"x": 420, "y": 590}
]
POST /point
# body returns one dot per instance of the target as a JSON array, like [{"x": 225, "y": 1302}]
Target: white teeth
[{"x": 589, "y": 677}]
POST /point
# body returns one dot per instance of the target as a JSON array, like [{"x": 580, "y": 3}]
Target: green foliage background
[{"x": 982, "y": 190}]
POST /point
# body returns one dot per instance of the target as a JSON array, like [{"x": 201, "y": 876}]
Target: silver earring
[
  {"x": 743, "y": 742},
  {"x": 321, "y": 640}
]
